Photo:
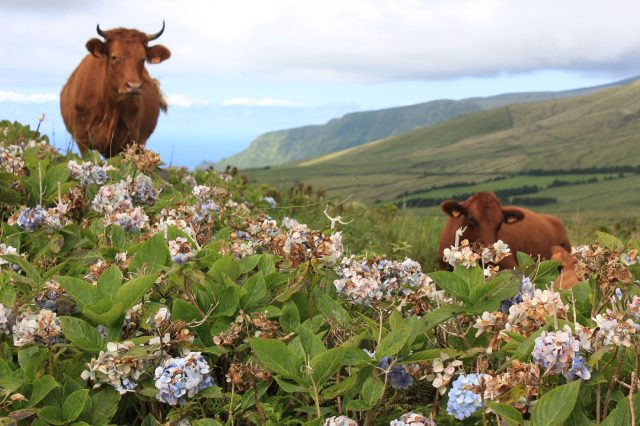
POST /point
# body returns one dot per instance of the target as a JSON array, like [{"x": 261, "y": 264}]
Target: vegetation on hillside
[
  {"x": 576, "y": 135},
  {"x": 127, "y": 298},
  {"x": 290, "y": 145}
]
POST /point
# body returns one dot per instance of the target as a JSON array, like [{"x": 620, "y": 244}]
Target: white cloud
[
  {"x": 23, "y": 98},
  {"x": 364, "y": 40},
  {"x": 262, "y": 102},
  {"x": 181, "y": 101}
]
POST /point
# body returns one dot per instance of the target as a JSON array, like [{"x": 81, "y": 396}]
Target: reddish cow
[
  {"x": 110, "y": 100},
  {"x": 486, "y": 221},
  {"x": 568, "y": 276}
]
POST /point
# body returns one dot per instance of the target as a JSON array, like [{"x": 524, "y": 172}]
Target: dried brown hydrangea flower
[{"x": 144, "y": 159}]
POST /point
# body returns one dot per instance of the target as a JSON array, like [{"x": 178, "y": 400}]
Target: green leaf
[
  {"x": 339, "y": 388},
  {"x": 266, "y": 264},
  {"x": 81, "y": 291},
  {"x": 30, "y": 271},
  {"x": 524, "y": 259},
  {"x": 452, "y": 284},
  {"x": 392, "y": 343},
  {"x": 74, "y": 404},
  {"x": 372, "y": 391},
  {"x": 441, "y": 315},
  {"x": 555, "y": 406},
  {"x": 621, "y": 415},
  {"x": 109, "y": 283},
  {"x": 430, "y": 354},
  {"x": 326, "y": 364},
  {"x": 118, "y": 237},
  {"x": 487, "y": 297},
  {"x": 104, "y": 312},
  {"x": 58, "y": 173},
  {"x": 81, "y": 333},
  {"x": 332, "y": 309},
  {"x": 311, "y": 343},
  {"x": 276, "y": 356},
  {"x": 508, "y": 413},
  {"x": 132, "y": 291},
  {"x": 41, "y": 388},
  {"x": 51, "y": 415},
  {"x": 181, "y": 310},
  {"x": 105, "y": 405},
  {"x": 289, "y": 386},
  {"x": 150, "y": 421},
  {"x": 31, "y": 359},
  {"x": 256, "y": 289},
  {"x": 211, "y": 392},
  {"x": 228, "y": 300},
  {"x": 474, "y": 277},
  {"x": 206, "y": 422},
  {"x": 226, "y": 265},
  {"x": 151, "y": 255},
  {"x": 290, "y": 317},
  {"x": 609, "y": 241},
  {"x": 248, "y": 263}
]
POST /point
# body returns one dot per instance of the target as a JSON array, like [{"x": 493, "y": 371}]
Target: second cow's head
[{"x": 482, "y": 215}]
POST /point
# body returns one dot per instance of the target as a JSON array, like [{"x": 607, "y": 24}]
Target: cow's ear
[
  {"x": 512, "y": 215},
  {"x": 453, "y": 208},
  {"x": 157, "y": 54},
  {"x": 96, "y": 47}
]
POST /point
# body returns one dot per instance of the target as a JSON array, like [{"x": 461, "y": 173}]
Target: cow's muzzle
[{"x": 131, "y": 88}]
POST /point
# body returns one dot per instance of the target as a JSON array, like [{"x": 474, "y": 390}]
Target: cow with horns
[{"x": 110, "y": 100}]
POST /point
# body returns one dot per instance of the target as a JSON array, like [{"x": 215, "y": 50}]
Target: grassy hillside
[
  {"x": 593, "y": 131},
  {"x": 285, "y": 146}
]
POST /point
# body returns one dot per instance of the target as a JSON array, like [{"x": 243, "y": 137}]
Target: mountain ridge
[
  {"x": 356, "y": 128},
  {"x": 600, "y": 129}
]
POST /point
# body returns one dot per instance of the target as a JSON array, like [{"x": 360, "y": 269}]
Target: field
[
  {"x": 135, "y": 295},
  {"x": 587, "y": 134}
]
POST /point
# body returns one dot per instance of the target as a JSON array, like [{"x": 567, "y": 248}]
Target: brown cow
[
  {"x": 486, "y": 221},
  {"x": 568, "y": 276},
  {"x": 110, "y": 100}
]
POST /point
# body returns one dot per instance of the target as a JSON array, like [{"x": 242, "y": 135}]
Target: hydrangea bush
[{"x": 127, "y": 297}]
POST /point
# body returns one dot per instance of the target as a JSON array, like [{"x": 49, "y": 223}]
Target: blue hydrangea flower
[
  {"x": 272, "y": 203},
  {"x": 31, "y": 218},
  {"x": 180, "y": 378},
  {"x": 579, "y": 368},
  {"x": 526, "y": 287},
  {"x": 463, "y": 401},
  {"x": 385, "y": 363},
  {"x": 400, "y": 378}
]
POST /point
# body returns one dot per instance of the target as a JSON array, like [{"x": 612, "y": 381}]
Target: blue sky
[{"x": 241, "y": 68}]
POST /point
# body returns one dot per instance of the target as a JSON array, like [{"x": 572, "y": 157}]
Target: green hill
[
  {"x": 285, "y": 146},
  {"x": 589, "y": 133}
]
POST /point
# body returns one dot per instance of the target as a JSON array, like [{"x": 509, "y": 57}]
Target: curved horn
[
  {"x": 156, "y": 35},
  {"x": 100, "y": 32}
]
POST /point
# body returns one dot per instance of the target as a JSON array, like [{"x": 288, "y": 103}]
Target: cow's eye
[
  {"x": 472, "y": 222},
  {"x": 114, "y": 58}
]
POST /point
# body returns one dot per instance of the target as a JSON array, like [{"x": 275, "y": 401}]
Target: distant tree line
[
  {"x": 532, "y": 201},
  {"x": 558, "y": 182},
  {"x": 581, "y": 171},
  {"x": 501, "y": 193},
  {"x": 449, "y": 185}
]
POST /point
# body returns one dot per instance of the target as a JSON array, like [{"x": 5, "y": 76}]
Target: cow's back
[{"x": 535, "y": 235}]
